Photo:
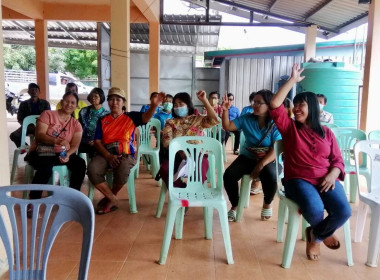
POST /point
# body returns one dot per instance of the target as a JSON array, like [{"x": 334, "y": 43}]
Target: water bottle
[{"x": 63, "y": 153}]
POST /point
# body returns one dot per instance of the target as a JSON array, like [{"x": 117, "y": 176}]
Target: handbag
[
  {"x": 260, "y": 152},
  {"x": 44, "y": 150}
]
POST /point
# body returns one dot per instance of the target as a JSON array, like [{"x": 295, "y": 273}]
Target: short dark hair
[
  {"x": 251, "y": 96},
  {"x": 70, "y": 85},
  {"x": 99, "y": 92},
  {"x": 214, "y": 92},
  {"x": 322, "y": 96},
  {"x": 71, "y": 93},
  {"x": 185, "y": 98},
  {"x": 230, "y": 94},
  {"x": 313, "y": 106},
  {"x": 169, "y": 95},
  {"x": 267, "y": 95},
  {"x": 33, "y": 85},
  {"x": 154, "y": 93}
]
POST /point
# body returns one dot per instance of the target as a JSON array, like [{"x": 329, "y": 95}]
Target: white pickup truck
[{"x": 17, "y": 82}]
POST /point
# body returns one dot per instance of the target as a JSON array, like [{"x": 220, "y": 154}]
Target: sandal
[
  {"x": 309, "y": 244},
  {"x": 335, "y": 245},
  {"x": 266, "y": 214},
  {"x": 102, "y": 203},
  {"x": 231, "y": 215},
  {"x": 107, "y": 209}
]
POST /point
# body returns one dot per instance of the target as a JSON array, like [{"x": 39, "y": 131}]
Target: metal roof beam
[
  {"x": 70, "y": 33},
  {"x": 273, "y": 4},
  {"x": 24, "y": 29}
]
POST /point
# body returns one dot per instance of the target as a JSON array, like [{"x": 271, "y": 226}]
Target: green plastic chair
[
  {"x": 329, "y": 125},
  {"x": 130, "y": 188},
  {"x": 289, "y": 211},
  {"x": 144, "y": 146},
  {"x": 196, "y": 193},
  {"x": 23, "y": 148},
  {"x": 29, "y": 242},
  {"x": 374, "y": 135},
  {"x": 346, "y": 138},
  {"x": 216, "y": 133}
]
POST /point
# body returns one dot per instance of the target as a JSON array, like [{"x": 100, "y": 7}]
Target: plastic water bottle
[{"x": 63, "y": 153}]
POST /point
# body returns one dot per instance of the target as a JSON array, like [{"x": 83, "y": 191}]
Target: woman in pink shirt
[{"x": 312, "y": 166}]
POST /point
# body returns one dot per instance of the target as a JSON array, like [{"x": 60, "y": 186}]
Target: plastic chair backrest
[
  {"x": 347, "y": 138},
  {"x": 329, "y": 125},
  {"x": 374, "y": 135},
  {"x": 145, "y": 132},
  {"x": 25, "y": 123},
  {"x": 278, "y": 151},
  {"x": 372, "y": 149},
  {"x": 31, "y": 253},
  {"x": 195, "y": 148},
  {"x": 215, "y": 131}
]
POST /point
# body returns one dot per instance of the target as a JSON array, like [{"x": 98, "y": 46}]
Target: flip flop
[
  {"x": 332, "y": 247},
  {"x": 102, "y": 203},
  {"x": 106, "y": 210}
]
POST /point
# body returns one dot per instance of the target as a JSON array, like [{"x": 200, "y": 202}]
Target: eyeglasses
[
  {"x": 229, "y": 99},
  {"x": 257, "y": 104}
]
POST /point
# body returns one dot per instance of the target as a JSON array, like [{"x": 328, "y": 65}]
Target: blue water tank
[{"x": 340, "y": 83}]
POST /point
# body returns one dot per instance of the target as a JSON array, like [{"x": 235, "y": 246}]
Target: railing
[{"x": 20, "y": 76}]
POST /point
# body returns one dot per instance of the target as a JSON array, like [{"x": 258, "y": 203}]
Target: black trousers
[
  {"x": 44, "y": 170},
  {"x": 243, "y": 165},
  {"x": 237, "y": 138}
]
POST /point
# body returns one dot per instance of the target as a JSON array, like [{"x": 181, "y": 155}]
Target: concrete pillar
[
  {"x": 42, "y": 58},
  {"x": 371, "y": 87},
  {"x": 310, "y": 42},
  {"x": 154, "y": 57},
  {"x": 120, "y": 50}
]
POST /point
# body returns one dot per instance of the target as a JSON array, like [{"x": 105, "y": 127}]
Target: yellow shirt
[{"x": 81, "y": 104}]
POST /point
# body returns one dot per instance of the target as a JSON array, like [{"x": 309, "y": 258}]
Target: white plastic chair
[
  {"x": 23, "y": 148},
  {"x": 28, "y": 256},
  {"x": 370, "y": 197},
  {"x": 289, "y": 210},
  {"x": 196, "y": 193}
]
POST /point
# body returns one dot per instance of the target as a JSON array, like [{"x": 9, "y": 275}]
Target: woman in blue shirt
[{"x": 260, "y": 132}]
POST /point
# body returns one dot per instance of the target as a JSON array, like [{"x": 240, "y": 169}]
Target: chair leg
[
  {"x": 131, "y": 191},
  {"x": 374, "y": 237},
  {"x": 179, "y": 223},
  {"x": 282, "y": 215},
  {"x": 207, "y": 218},
  {"x": 347, "y": 241},
  {"x": 14, "y": 165},
  {"x": 161, "y": 200},
  {"x": 91, "y": 190},
  {"x": 169, "y": 224},
  {"x": 244, "y": 196},
  {"x": 305, "y": 224},
  {"x": 353, "y": 188},
  {"x": 155, "y": 163},
  {"x": 291, "y": 237},
  {"x": 222, "y": 211},
  {"x": 360, "y": 221}
]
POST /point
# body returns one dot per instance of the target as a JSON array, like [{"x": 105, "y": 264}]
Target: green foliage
[
  {"x": 56, "y": 60},
  {"x": 81, "y": 63},
  {"x": 18, "y": 57}
]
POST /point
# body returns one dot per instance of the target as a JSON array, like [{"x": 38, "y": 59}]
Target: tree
[
  {"x": 56, "y": 60},
  {"x": 19, "y": 57},
  {"x": 81, "y": 63}
]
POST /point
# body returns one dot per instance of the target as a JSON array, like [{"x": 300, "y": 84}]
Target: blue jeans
[{"x": 312, "y": 204}]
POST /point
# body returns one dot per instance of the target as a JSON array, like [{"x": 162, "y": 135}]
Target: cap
[{"x": 117, "y": 91}]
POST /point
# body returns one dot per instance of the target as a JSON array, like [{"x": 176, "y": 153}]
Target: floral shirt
[{"x": 189, "y": 126}]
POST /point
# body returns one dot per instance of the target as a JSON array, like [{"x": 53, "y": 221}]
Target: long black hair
[
  {"x": 313, "y": 106},
  {"x": 185, "y": 98},
  {"x": 267, "y": 95}
]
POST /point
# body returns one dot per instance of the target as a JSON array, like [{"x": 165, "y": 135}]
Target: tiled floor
[{"x": 127, "y": 246}]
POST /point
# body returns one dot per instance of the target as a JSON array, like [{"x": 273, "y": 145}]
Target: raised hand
[
  {"x": 296, "y": 73},
  {"x": 202, "y": 96},
  {"x": 225, "y": 105},
  {"x": 158, "y": 99}
]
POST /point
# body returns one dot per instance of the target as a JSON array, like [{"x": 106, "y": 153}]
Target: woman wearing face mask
[
  {"x": 185, "y": 123},
  {"x": 166, "y": 112}
]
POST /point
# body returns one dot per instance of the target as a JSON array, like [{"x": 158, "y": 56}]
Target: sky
[{"x": 239, "y": 37}]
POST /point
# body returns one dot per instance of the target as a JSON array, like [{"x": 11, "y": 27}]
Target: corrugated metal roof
[{"x": 186, "y": 38}]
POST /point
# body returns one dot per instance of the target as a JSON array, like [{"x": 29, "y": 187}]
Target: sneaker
[
  {"x": 255, "y": 191},
  {"x": 231, "y": 215}
]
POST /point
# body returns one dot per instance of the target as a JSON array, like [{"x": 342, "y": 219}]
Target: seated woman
[
  {"x": 115, "y": 143},
  {"x": 312, "y": 165},
  {"x": 88, "y": 118},
  {"x": 58, "y": 135},
  {"x": 260, "y": 132},
  {"x": 72, "y": 87},
  {"x": 185, "y": 123}
]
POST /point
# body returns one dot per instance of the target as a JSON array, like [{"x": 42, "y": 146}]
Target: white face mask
[{"x": 321, "y": 107}]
